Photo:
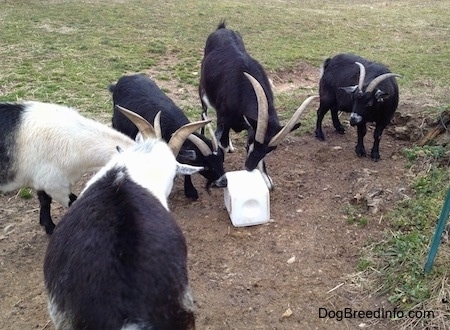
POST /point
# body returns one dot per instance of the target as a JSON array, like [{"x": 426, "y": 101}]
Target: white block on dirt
[{"x": 247, "y": 198}]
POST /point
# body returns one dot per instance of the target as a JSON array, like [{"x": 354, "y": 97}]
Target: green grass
[
  {"x": 68, "y": 51},
  {"x": 396, "y": 264},
  {"x": 355, "y": 214},
  {"x": 26, "y": 193}
]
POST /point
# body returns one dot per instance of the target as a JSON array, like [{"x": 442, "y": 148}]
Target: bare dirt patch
[{"x": 273, "y": 276}]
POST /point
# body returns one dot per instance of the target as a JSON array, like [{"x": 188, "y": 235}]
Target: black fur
[
  {"x": 118, "y": 256},
  {"x": 140, "y": 94},
  {"x": 10, "y": 119},
  {"x": 231, "y": 94},
  {"x": 341, "y": 71}
]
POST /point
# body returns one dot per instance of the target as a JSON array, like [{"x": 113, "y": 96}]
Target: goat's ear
[
  {"x": 349, "y": 89},
  {"x": 186, "y": 156},
  {"x": 186, "y": 169},
  {"x": 119, "y": 149},
  {"x": 380, "y": 96}
]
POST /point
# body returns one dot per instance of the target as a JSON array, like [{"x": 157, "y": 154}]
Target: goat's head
[
  {"x": 212, "y": 159},
  {"x": 260, "y": 143},
  {"x": 148, "y": 132},
  {"x": 364, "y": 101}
]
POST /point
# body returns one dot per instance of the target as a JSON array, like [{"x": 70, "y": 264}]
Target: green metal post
[{"x": 438, "y": 233}]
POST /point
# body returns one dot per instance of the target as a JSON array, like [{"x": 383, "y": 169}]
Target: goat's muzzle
[
  {"x": 355, "y": 119},
  {"x": 219, "y": 183}
]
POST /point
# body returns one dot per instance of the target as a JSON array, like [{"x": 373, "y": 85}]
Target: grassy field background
[{"x": 69, "y": 51}]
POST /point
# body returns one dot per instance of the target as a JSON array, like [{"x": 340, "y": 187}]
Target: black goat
[
  {"x": 140, "y": 94},
  {"x": 230, "y": 78},
  {"x": 367, "y": 89}
]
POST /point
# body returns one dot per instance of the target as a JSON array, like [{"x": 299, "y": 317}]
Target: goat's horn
[
  {"x": 379, "y": 79},
  {"x": 291, "y": 123},
  {"x": 362, "y": 75},
  {"x": 263, "y": 108},
  {"x": 214, "y": 142},
  {"x": 181, "y": 134},
  {"x": 157, "y": 124},
  {"x": 201, "y": 145},
  {"x": 145, "y": 128}
]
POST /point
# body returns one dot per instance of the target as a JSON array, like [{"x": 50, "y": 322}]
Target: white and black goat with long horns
[
  {"x": 117, "y": 259},
  {"x": 368, "y": 90},
  {"x": 48, "y": 147}
]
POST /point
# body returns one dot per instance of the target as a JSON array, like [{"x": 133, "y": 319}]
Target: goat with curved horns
[
  {"x": 117, "y": 259},
  {"x": 142, "y": 95},
  {"x": 230, "y": 78},
  {"x": 48, "y": 147},
  {"x": 373, "y": 99}
]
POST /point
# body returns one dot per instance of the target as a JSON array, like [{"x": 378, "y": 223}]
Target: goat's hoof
[
  {"x": 192, "y": 195},
  {"x": 320, "y": 136},
  {"x": 361, "y": 153},
  {"x": 375, "y": 158},
  {"x": 49, "y": 228}
]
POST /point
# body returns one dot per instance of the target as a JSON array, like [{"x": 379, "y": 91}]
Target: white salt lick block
[{"x": 247, "y": 198}]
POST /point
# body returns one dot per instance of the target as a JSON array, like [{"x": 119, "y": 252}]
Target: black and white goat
[
  {"x": 117, "y": 259},
  {"x": 48, "y": 147},
  {"x": 237, "y": 87},
  {"x": 367, "y": 89},
  {"x": 143, "y": 96}
]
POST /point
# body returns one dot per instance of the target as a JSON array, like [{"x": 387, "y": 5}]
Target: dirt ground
[{"x": 271, "y": 276}]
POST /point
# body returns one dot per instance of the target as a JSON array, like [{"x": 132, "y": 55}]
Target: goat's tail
[
  {"x": 324, "y": 66},
  {"x": 222, "y": 24},
  {"x": 111, "y": 88}
]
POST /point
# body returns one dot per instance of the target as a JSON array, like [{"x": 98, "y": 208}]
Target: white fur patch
[
  {"x": 56, "y": 146},
  {"x": 61, "y": 320},
  {"x": 150, "y": 164},
  {"x": 206, "y": 101}
]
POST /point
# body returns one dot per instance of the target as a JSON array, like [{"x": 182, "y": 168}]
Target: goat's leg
[
  {"x": 72, "y": 198},
  {"x": 336, "y": 122},
  {"x": 362, "y": 130},
  {"x": 189, "y": 189},
  {"x": 45, "y": 218},
  {"x": 320, "y": 114},
  {"x": 204, "y": 114},
  {"x": 223, "y": 136},
  {"x": 375, "y": 153},
  {"x": 267, "y": 179},
  {"x": 205, "y": 105}
]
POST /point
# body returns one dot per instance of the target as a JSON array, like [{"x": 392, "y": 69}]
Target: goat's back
[
  {"x": 341, "y": 71},
  {"x": 222, "y": 76},
  {"x": 117, "y": 257},
  {"x": 142, "y": 95}
]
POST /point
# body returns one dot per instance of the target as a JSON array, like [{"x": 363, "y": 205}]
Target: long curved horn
[
  {"x": 157, "y": 125},
  {"x": 263, "y": 109},
  {"x": 215, "y": 143},
  {"x": 145, "y": 128},
  {"x": 362, "y": 75},
  {"x": 291, "y": 123},
  {"x": 181, "y": 134},
  {"x": 201, "y": 145},
  {"x": 379, "y": 79}
]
